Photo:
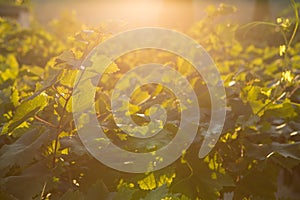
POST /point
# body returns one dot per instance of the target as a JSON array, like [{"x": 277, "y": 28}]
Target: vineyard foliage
[{"x": 256, "y": 157}]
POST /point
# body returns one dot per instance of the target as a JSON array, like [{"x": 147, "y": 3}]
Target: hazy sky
[{"x": 143, "y": 12}]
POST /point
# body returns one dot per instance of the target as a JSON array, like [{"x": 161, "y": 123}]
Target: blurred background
[{"x": 167, "y": 13}]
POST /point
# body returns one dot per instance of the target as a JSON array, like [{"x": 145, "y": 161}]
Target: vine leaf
[
  {"x": 24, "y": 150},
  {"x": 263, "y": 151},
  {"x": 98, "y": 191},
  {"x": 125, "y": 192},
  {"x": 100, "y": 60},
  {"x": 211, "y": 181},
  {"x": 26, "y": 110},
  {"x": 148, "y": 183},
  {"x": 69, "y": 58},
  {"x": 158, "y": 193},
  {"x": 258, "y": 183},
  {"x": 74, "y": 195},
  {"x": 73, "y": 144},
  {"x": 29, "y": 183}
]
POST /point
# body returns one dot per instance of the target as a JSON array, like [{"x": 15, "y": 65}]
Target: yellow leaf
[
  {"x": 214, "y": 175},
  {"x": 139, "y": 96},
  {"x": 103, "y": 61},
  {"x": 132, "y": 109},
  {"x": 184, "y": 67},
  {"x": 257, "y": 61},
  {"x": 282, "y": 49},
  {"x": 182, "y": 159},
  {"x": 287, "y": 76},
  {"x": 148, "y": 183},
  {"x": 164, "y": 179},
  {"x": 122, "y": 136},
  {"x": 112, "y": 68},
  {"x": 65, "y": 151},
  {"x": 158, "y": 90}
]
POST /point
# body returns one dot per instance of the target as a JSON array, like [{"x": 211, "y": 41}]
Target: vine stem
[
  {"x": 288, "y": 45},
  {"x": 44, "y": 121},
  {"x": 296, "y": 22},
  {"x": 59, "y": 127},
  {"x": 58, "y": 130},
  {"x": 257, "y": 23},
  {"x": 278, "y": 99},
  {"x": 185, "y": 178},
  {"x": 271, "y": 102},
  {"x": 43, "y": 191}
]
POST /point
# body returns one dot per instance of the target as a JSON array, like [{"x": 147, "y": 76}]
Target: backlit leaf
[
  {"x": 24, "y": 111},
  {"x": 148, "y": 183}
]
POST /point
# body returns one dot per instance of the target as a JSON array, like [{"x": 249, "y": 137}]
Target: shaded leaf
[
  {"x": 125, "y": 191},
  {"x": 74, "y": 195},
  {"x": 69, "y": 58},
  {"x": 24, "y": 150},
  {"x": 158, "y": 193},
  {"x": 97, "y": 191},
  {"x": 29, "y": 183}
]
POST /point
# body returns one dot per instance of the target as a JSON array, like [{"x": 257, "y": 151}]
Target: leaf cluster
[{"x": 42, "y": 157}]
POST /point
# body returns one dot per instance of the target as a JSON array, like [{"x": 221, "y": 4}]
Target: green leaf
[
  {"x": 69, "y": 58},
  {"x": 15, "y": 97},
  {"x": 73, "y": 144},
  {"x": 166, "y": 180},
  {"x": 258, "y": 183},
  {"x": 158, "y": 193},
  {"x": 24, "y": 150},
  {"x": 263, "y": 151},
  {"x": 74, "y": 195},
  {"x": 255, "y": 97},
  {"x": 8, "y": 67},
  {"x": 26, "y": 110},
  {"x": 288, "y": 150},
  {"x": 97, "y": 191},
  {"x": 68, "y": 78},
  {"x": 281, "y": 110},
  {"x": 6, "y": 196},
  {"x": 125, "y": 191},
  {"x": 100, "y": 60},
  {"x": 285, "y": 162},
  {"x": 139, "y": 97},
  {"x": 211, "y": 182},
  {"x": 52, "y": 76},
  {"x": 29, "y": 183}
]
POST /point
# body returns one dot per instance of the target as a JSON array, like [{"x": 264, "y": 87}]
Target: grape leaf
[
  {"x": 24, "y": 150},
  {"x": 26, "y": 110},
  {"x": 148, "y": 183},
  {"x": 29, "y": 183},
  {"x": 158, "y": 193}
]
